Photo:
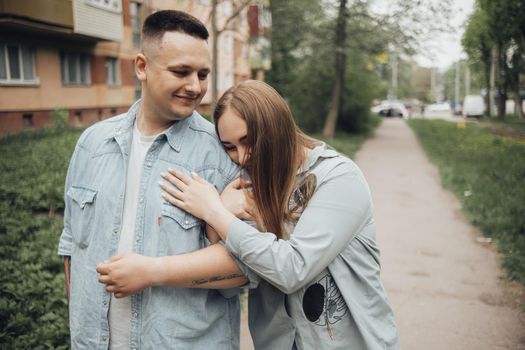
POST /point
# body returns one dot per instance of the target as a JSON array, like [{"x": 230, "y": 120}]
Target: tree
[
  {"x": 496, "y": 35},
  {"x": 401, "y": 28},
  {"x": 216, "y": 32},
  {"x": 340, "y": 69}
]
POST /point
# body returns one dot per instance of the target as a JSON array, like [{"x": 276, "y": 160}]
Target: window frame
[
  {"x": 114, "y": 63},
  {"x": 65, "y": 66},
  {"x": 135, "y": 22},
  {"x": 8, "y": 80}
]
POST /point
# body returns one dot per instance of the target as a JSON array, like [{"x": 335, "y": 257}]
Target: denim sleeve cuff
[{"x": 65, "y": 245}]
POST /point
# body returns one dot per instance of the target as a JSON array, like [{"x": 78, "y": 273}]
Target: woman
[{"x": 314, "y": 246}]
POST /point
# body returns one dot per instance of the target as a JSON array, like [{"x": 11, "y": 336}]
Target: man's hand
[
  {"x": 127, "y": 274},
  {"x": 234, "y": 199},
  {"x": 67, "y": 273}
]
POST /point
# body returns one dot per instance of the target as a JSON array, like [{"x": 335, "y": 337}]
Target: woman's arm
[
  {"x": 339, "y": 209},
  {"x": 211, "y": 267}
]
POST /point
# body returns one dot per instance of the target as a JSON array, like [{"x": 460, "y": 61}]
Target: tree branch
[{"x": 234, "y": 15}]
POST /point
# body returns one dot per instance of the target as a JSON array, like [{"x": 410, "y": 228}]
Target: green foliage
[
  {"x": 32, "y": 298},
  {"x": 60, "y": 117},
  {"x": 303, "y": 60},
  {"x": 349, "y": 144},
  {"x": 486, "y": 173}
]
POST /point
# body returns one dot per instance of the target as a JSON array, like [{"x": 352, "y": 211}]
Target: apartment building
[{"x": 78, "y": 55}]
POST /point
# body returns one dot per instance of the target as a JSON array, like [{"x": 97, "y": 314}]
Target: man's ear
[{"x": 140, "y": 67}]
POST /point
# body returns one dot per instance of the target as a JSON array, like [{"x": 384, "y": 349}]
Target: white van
[{"x": 473, "y": 106}]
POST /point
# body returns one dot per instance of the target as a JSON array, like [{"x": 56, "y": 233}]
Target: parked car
[
  {"x": 439, "y": 107},
  {"x": 473, "y": 106},
  {"x": 391, "y": 109}
]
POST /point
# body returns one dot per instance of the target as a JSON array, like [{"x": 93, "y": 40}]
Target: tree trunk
[
  {"x": 517, "y": 97},
  {"x": 340, "y": 70},
  {"x": 500, "y": 80},
  {"x": 215, "y": 58},
  {"x": 488, "y": 80}
]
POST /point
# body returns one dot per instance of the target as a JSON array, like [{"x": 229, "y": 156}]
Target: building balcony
[{"x": 83, "y": 20}]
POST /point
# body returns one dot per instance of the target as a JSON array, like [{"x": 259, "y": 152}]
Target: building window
[
  {"x": 134, "y": 10},
  {"x": 112, "y": 71},
  {"x": 227, "y": 8},
  {"x": 28, "y": 119},
  {"x": 228, "y": 80},
  {"x": 75, "y": 68},
  {"x": 78, "y": 115},
  {"x": 17, "y": 64},
  {"x": 228, "y": 43}
]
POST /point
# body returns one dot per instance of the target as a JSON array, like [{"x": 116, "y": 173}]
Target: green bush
[
  {"x": 60, "y": 117},
  {"x": 486, "y": 173},
  {"x": 33, "y": 307}
]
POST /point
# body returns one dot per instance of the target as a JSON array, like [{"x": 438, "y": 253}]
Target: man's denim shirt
[{"x": 162, "y": 317}]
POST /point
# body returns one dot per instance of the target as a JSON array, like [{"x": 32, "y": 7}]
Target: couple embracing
[{"x": 167, "y": 217}]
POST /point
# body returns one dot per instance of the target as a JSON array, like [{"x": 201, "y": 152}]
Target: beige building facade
[{"x": 78, "y": 55}]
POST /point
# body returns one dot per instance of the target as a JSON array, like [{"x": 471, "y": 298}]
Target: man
[{"x": 114, "y": 204}]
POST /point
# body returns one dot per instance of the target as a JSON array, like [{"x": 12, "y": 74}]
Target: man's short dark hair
[{"x": 164, "y": 21}]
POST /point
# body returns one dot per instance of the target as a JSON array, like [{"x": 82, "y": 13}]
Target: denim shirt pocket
[
  {"x": 82, "y": 214},
  {"x": 184, "y": 219},
  {"x": 180, "y": 231}
]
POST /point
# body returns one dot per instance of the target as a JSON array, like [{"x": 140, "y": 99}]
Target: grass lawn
[
  {"x": 510, "y": 126},
  {"x": 487, "y": 173}
]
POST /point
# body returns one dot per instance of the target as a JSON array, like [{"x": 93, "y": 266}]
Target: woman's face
[{"x": 232, "y": 132}]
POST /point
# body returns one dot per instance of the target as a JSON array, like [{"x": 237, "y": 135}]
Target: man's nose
[{"x": 193, "y": 85}]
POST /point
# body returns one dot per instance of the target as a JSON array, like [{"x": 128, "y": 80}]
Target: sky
[{"x": 446, "y": 48}]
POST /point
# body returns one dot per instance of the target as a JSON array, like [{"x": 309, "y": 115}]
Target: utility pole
[
  {"x": 467, "y": 80},
  {"x": 433, "y": 83},
  {"x": 393, "y": 88},
  {"x": 456, "y": 85}
]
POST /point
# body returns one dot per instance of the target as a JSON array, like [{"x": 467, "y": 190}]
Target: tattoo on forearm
[{"x": 215, "y": 279}]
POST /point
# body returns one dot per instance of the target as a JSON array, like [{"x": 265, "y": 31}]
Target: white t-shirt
[{"x": 120, "y": 309}]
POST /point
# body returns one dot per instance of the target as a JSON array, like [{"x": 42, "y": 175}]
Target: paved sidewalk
[{"x": 446, "y": 289}]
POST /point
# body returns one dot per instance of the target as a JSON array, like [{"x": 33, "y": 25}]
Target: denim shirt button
[
  {"x": 104, "y": 338},
  {"x": 141, "y": 200},
  {"x": 115, "y": 231},
  {"x": 135, "y": 315},
  {"x": 105, "y": 302}
]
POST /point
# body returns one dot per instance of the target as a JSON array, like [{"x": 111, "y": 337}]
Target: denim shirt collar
[{"x": 174, "y": 134}]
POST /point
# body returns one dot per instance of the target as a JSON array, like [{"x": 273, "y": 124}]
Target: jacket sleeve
[
  {"x": 65, "y": 244},
  {"x": 338, "y": 210}
]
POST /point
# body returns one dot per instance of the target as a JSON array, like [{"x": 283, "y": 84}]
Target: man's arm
[
  {"x": 211, "y": 268},
  {"x": 67, "y": 273}
]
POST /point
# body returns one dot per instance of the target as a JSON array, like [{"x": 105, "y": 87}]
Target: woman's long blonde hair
[{"x": 275, "y": 147}]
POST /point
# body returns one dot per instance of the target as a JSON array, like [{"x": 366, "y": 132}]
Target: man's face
[{"x": 176, "y": 75}]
